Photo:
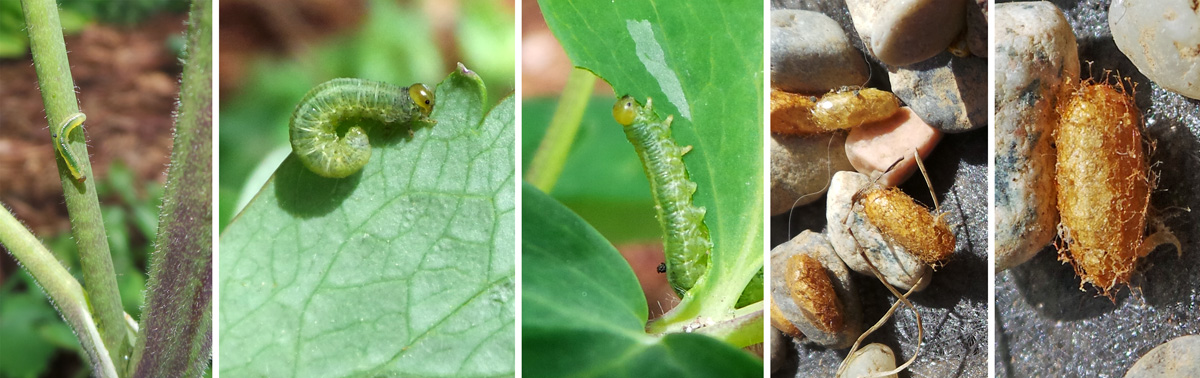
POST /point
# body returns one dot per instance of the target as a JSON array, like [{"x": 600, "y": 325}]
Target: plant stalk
[
  {"x": 176, "y": 329},
  {"x": 551, "y": 155},
  {"x": 58, "y": 96},
  {"x": 64, "y": 292}
]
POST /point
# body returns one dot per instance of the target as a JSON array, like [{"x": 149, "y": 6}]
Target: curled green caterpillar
[
  {"x": 59, "y": 137},
  {"x": 316, "y": 120},
  {"x": 686, "y": 243}
]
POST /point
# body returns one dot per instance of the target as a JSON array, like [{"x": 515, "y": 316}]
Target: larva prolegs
[
  {"x": 686, "y": 243},
  {"x": 322, "y": 112}
]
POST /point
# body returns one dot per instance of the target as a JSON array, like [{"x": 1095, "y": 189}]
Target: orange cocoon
[
  {"x": 909, "y": 224},
  {"x": 1103, "y": 184},
  {"x": 811, "y": 289}
]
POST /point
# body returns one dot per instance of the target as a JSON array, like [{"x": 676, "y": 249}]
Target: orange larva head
[
  {"x": 1102, "y": 182},
  {"x": 908, "y": 224},
  {"x": 812, "y": 290}
]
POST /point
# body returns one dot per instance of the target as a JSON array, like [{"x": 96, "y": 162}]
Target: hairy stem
[
  {"x": 551, "y": 155},
  {"x": 176, "y": 332},
  {"x": 64, "y": 292},
  {"x": 58, "y": 95}
]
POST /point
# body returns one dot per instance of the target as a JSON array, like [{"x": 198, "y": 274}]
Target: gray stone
[
  {"x": 947, "y": 92},
  {"x": 900, "y": 33},
  {"x": 817, "y": 246},
  {"x": 977, "y": 27},
  {"x": 1162, "y": 38},
  {"x": 899, "y": 267},
  {"x": 1179, "y": 357},
  {"x": 801, "y": 167},
  {"x": 1036, "y": 60},
  {"x": 779, "y": 349},
  {"x": 810, "y": 53}
]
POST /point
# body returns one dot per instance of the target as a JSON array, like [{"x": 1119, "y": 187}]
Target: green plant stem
[
  {"x": 58, "y": 96},
  {"x": 745, "y": 328},
  {"x": 551, "y": 155},
  {"x": 176, "y": 332},
  {"x": 720, "y": 290},
  {"x": 64, "y": 292}
]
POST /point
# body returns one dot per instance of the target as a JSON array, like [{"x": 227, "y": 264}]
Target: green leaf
[
  {"x": 23, "y": 352},
  {"x": 405, "y": 268},
  {"x": 584, "y": 314},
  {"x": 702, "y": 63}
]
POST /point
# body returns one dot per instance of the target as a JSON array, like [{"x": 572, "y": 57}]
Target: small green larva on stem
[
  {"x": 60, "y": 143},
  {"x": 685, "y": 237},
  {"x": 316, "y": 120},
  {"x": 1104, "y": 186}
]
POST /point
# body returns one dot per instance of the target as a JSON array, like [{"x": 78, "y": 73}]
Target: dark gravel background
[
  {"x": 954, "y": 306},
  {"x": 1046, "y": 326}
]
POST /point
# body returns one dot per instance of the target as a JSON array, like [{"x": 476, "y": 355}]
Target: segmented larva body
[
  {"x": 315, "y": 122},
  {"x": 911, "y": 225},
  {"x": 685, "y": 237},
  {"x": 60, "y": 143},
  {"x": 1104, "y": 185}
]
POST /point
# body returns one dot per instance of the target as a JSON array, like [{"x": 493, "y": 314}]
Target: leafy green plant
[
  {"x": 174, "y": 336},
  {"x": 583, "y": 312},
  {"x": 404, "y": 267}
]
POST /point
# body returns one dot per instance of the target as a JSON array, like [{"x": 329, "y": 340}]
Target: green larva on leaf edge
[
  {"x": 315, "y": 121},
  {"x": 686, "y": 243}
]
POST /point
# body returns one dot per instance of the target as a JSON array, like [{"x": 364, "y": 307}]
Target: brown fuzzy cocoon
[
  {"x": 851, "y": 107},
  {"x": 791, "y": 114},
  {"x": 811, "y": 289},
  {"x": 796, "y": 114},
  {"x": 780, "y": 322},
  {"x": 909, "y": 224},
  {"x": 1103, "y": 184}
]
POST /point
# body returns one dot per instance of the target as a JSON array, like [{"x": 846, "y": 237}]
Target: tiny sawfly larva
[
  {"x": 59, "y": 137},
  {"x": 686, "y": 243},
  {"x": 319, "y": 116}
]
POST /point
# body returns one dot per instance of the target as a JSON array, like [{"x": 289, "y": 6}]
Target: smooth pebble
[
  {"x": 872, "y": 148},
  {"x": 1179, "y": 357},
  {"x": 1162, "y": 38},
  {"x": 801, "y": 167},
  {"x": 873, "y": 358},
  {"x": 901, "y": 33},
  {"x": 1036, "y": 60},
  {"x": 977, "y": 27},
  {"x": 817, "y": 246},
  {"x": 898, "y": 267},
  {"x": 948, "y": 92},
  {"x": 811, "y": 54}
]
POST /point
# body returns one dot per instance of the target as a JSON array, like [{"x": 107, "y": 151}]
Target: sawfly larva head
[
  {"x": 625, "y": 110},
  {"x": 423, "y": 97}
]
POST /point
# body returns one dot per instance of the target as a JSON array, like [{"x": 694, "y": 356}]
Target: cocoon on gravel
[{"x": 1103, "y": 185}]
